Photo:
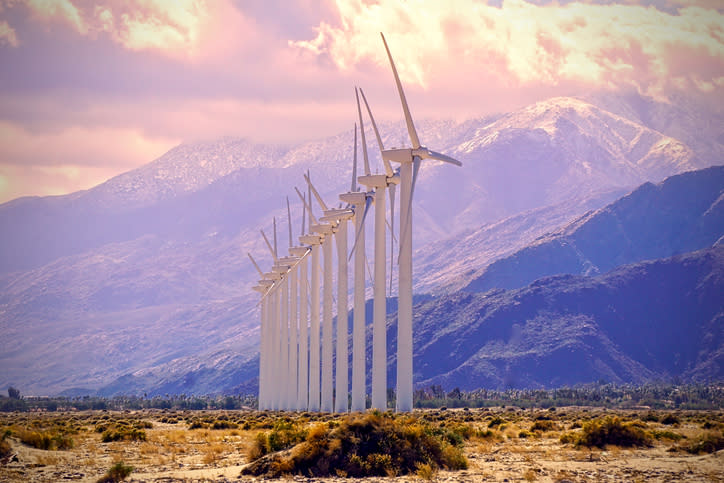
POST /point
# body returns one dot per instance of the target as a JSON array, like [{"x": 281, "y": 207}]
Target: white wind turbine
[
  {"x": 276, "y": 371},
  {"x": 292, "y": 370},
  {"x": 379, "y": 182},
  {"x": 301, "y": 251},
  {"x": 338, "y": 219},
  {"x": 358, "y": 199},
  {"x": 409, "y": 159},
  {"x": 315, "y": 241},
  {"x": 263, "y": 288}
]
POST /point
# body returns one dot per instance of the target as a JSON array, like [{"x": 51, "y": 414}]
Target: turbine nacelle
[
  {"x": 281, "y": 269},
  {"x": 374, "y": 180},
  {"x": 322, "y": 228},
  {"x": 311, "y": 239},
  {"x": 335, "y": 216},
  {"x": 354, "y": 198},
  {"x": 407, "y": 155},
  {"x": 298, "y": 251}
]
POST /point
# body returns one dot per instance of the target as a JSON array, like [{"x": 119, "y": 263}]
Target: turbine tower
[
  {"x": 315, "y": 241},
  {"x": 303, "y": 252},
  {"x": 358, "y": 199},
  {"x": 378, "y": 183},
  {"x": 409, "y": 160}
]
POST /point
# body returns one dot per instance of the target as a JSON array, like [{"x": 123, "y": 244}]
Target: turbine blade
[
  {"x": 408, "y": 218},
  {"x": 289, "y": 218},
  {"x": 273, "y": 254},
  {"x": 312, "y": 219},
  {"x": 364, "y": 140},
  {"x": 441, "y": 157},
  {"x": 368, "y": 203},
  {"x": 309, "y": 198},
  {"x": 304, "y": 213},
  {"x": 354, "y": 158},
  {"x": 261, "y": 274},
  {"x": 276, "y": 253},
  {"x": 392, "y": 187},
  {"x": 415, "y": 170},
  {"x": 408, "y": 118},
  {"x": 388, "y": 167},
  {"x": 321, "y": 202}
]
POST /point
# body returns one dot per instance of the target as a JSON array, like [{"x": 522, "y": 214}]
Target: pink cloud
[
  {"x": 101, "y": 87},
  {"x": 542, "y": 45}
]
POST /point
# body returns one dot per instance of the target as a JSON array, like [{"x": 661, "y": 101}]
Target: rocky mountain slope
[
  {"x": 682, "y": 214},
  {"x": 654, "y": 320},
  {"x": 94, "y": 286}
]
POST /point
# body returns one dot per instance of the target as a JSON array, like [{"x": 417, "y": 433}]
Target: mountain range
[{"x": 141, "y": 284}]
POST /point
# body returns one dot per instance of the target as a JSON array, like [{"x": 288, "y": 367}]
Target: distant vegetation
[{"x": 655, "y": 396}]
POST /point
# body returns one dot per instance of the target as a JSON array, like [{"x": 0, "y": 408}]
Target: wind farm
[{"x": 282, "y": 297}]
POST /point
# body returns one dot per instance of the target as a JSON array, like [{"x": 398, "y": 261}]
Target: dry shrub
[
  {"x": 123, "y": 433},
  {"x": 706, "y": 443},
  {"x": 5, "y": 449},
  {"x": 212, "y": 453},
  {"x": 369, "y": 445},
  {"x": 612, "y": 431},
  {"x": 118, "y": 472},
  {"x": 425, "y": 471},
  {"x": 543, "y": 425},
  {"x": 285, "y": 434},
  {"x": 45, "y": 440}
]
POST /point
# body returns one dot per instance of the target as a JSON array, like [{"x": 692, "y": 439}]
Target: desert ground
[{"x": 500, "y": 444}]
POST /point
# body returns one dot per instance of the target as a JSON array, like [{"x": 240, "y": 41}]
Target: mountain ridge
[{"x": 127, "y": 270}]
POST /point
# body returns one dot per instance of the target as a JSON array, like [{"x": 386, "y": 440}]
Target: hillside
[
  {"x": 682, "y": 214},
  {"x": 648, "y": 321}
]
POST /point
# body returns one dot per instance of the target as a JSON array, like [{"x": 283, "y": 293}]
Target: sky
[{"x": 91, "y": 88}]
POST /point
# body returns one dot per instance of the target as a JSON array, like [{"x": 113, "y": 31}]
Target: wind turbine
[
  {"x": 410, "y": 160},
  {"x": 315, "y": 241},
  {"x": 293, "y": 376},
  {"x": 301, "y": 251},
  {"x": 378, "y": 183},
  {"x": 263, "y": 288},
  {"x": 337, "y": 219},
  {"x": 358, "y": 199},
  {"x": 276, "y": 370}
]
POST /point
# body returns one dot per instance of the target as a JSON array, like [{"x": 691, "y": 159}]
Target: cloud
[
  {"x": 67, "y": 160},
  {"x": 96, "y": 87},
  {"x": 615, "y": 45},
  {"x": 182, "y": 29},
  {"x": 7, "y": 35}
]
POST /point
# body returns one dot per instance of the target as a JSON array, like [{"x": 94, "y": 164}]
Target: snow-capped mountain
[{"x": 148, "y": 269}]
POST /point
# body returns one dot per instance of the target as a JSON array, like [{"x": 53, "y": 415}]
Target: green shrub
[
  {"x": 611, "y": 431},
  {"x": 118, "y": 472}
]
